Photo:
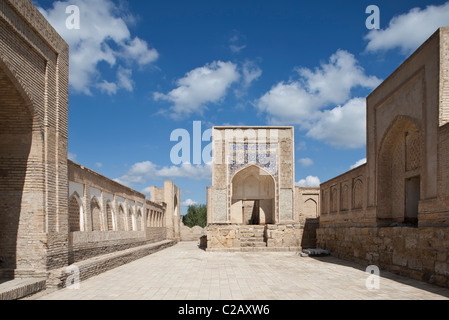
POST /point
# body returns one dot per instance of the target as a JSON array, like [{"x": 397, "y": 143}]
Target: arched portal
[
  {"x": 131, "y": 221},
  {"x": 253, "y": 197},
  {"x": 76, "y": 213},
  {"x": 95, "y": 215},
  {"x": 139, "y": 221},
  {"x": 20, "y": 175},
  {"x": 121, "y": 221},
  {"x": 399, "y": 173},
  {"x": 311, "y": 209}
]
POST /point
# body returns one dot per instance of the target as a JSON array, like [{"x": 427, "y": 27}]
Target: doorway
[
  {"x": 413, "y": 195},
  {"x": 251, "y": 212}
]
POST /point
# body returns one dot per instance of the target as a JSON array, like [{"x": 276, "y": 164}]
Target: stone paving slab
[{"x": 184, "y": 272}]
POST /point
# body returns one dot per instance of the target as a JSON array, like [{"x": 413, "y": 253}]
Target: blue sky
[{"x": 141, "y": 69}]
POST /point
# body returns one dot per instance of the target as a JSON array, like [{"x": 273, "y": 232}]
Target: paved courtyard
[{"x": 184, "y": 272}]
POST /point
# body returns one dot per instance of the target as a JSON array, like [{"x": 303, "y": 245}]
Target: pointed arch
[
  {"x": 121, "y": 219},
  {"x": 18, "y": 86},
  {"x": 399, "y": 158},
  {"x": 357, "y": 194},
  {"x": 139, "y": 221},
  {"x": 310, "y": 208},
  {"x": 95, "y": 211},
  {"x": 253, "y": 193},
  {"x": 21, "y": 170},
  {"x": 76, "y": 213},
  {"x": 110, "y": 223},
  {"x": 131, "y": 219}
]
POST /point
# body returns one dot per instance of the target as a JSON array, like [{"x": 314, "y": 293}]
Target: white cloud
[
  {"x": 237, "y": 42},
  {"x": 251, "y": 72},
  {"x": 301, "y": 146},
  {"x": 358, "y": 163},
  {"x": 137, "y": 50},
  {"x": 99, "y": 165},
  {"x": 71, "y": 156},
  {"x": 309, "y": 182},
  {"x": 103, "y": 37},
  {"x": 408, "y": 31},
  {"x": 200, "y": 87},
  {"x": 304, "y": 102},
  {"x": 141, "y": 172},
  {"x": 306, "y": 162},
  {"x": 147, "y": 191},
  {"x": 332, "y": 83},
  {"x": 109, "y": 88},
  {"x": 188, "y": 203},
  {"x": 124, "y": 81},
  {"x": 193, "y": 172},
  {"x": 343, "y": 127}
]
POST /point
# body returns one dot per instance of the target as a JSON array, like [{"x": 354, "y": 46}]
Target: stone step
[
  {"x": 251, "y": 234},
  {"x": 252, "y": 239},
  {"x": 252, "y": 227},
  {"x": 253, "y": 244}
]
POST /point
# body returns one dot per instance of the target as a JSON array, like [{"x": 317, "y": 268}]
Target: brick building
[
  {"x": 394, "y": 211},
  {"x": 54, "y": 212},
  {"x": 253, "y": 204}
]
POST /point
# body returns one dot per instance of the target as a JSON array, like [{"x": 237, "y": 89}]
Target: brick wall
[
  {"x": 421, "y": 253},
  {"x": 34, "y": 66},
  {"x": 115, "y": 217},
  {"x": 404, "y": 140},
  {"x": 344, "y": 200}
]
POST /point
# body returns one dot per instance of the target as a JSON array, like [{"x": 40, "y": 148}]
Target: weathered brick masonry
[
  {"x": 54, "y": 212},
  {"x": 107, "y": 216},
  {"x": 33, "y": 137},
  {"x": 394, "y": 211}
]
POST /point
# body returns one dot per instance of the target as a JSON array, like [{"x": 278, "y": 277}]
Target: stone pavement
[{"x": 184, "y": 272}]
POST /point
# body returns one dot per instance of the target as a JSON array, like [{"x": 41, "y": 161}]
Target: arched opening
[
  {"x": 109, "y": 217},
  {"x": 130, "y": 220},
  {"x": 253, "y": 197},
  {"x": 148, "y": 218},
  {"x": 334, "y": 203},
  {"x": 399, "y": 173},
  {"x": 95, "y": 215},
  {"x": 139, "y": 221},
  {"x": 121, "y": 219},
  {"x": 21, "y": 178},
  {"x": 357, "y": 195},
  {"x": 175, "y": 206},
  {"x": 344, "y": 201},
  {"x": 310, "y": 209},
  {"x": 76, "y": 213}
]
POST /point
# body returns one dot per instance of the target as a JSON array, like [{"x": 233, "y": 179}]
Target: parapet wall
[
  {"x": 420, "y": 254},
  {"x": 105, "y": 216},
  {"x": 192, "y": 234},
  {"x": 344, "y": 200}
]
